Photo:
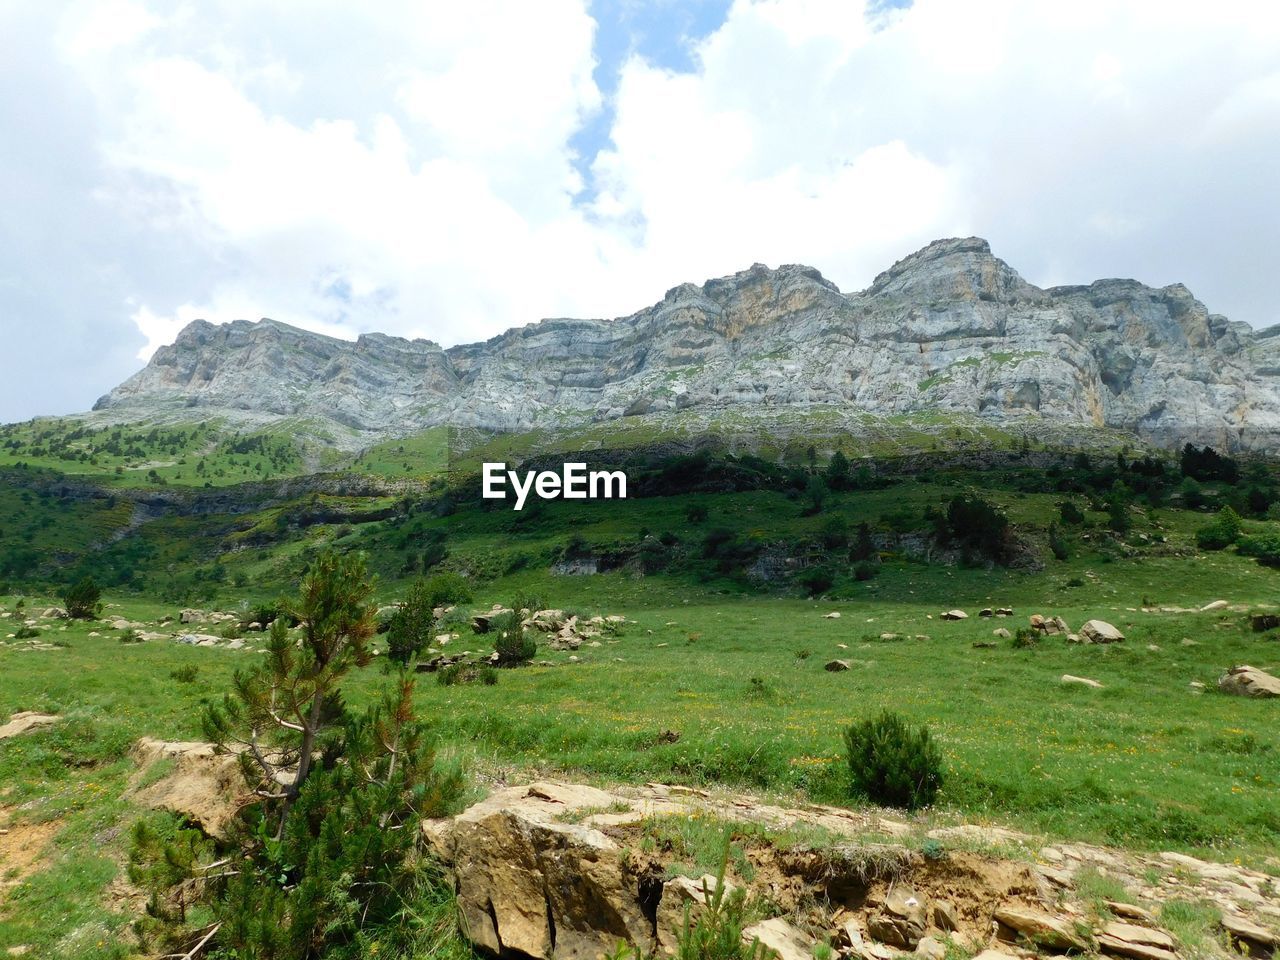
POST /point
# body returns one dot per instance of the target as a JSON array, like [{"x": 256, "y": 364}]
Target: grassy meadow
[{"x": 717, "y": 678}]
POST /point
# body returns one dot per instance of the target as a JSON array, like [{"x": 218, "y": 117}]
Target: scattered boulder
[
  {"x": 837, "y": 666},
  {"x": 986, "y": 612},
  {"x": 199, "y": 639},
  {"x": 25, "y": 722},
  {"x": 955, "y": 615},
  {"x": 1004, "y": 611},
  {"x": 53, "y": 613},
  {"x": 481, "y": 622},
  {"x": 833, "y": 615},
  {"x": 1215, "y": 605},
  {"x": 1099, "y": 631},
  {"x": 1049, "y": 626},
  {"x": 1247, "y": 681},
  {"x": 931, "y": 948},
  {"x": 1083, "y": 681},
  {"x": 1002, "y": 633}
]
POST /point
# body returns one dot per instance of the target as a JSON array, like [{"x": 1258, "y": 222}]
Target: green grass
[
  {"x": 1148, "y": 762},
  {"x": 197, "y": 454}
]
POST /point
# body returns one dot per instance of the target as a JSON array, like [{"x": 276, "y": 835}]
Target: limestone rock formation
[{"x": 948, "y": 329}]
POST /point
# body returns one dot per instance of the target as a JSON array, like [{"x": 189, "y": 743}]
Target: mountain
[{"x": 949, "y": 329}]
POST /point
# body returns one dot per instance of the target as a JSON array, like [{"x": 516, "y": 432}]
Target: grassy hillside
[{"x": 725, "y": 568}]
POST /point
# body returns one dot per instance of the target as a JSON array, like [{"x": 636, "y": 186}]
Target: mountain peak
[{"x": 957, "y": 268}]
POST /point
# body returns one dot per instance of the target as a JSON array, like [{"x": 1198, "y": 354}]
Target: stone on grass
[
  {"x": 1099, "y": 631},
  {"x": 837, "y": 666},
  {"x": 955, "y": 615},
  {"x": 1247, "y": 681},
  {"x": 1084, "y": 681},
  {"x": 25, "y": 722}
]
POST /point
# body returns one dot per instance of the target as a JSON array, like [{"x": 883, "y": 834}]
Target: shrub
[
  {"x": 409, "y": 629},
  {"x": 25, "y": 633},
  {"x": 445, "y": 589},
  {"x": 697, "y": 513},
  {"x": 82, "y": 599},
  {"x": 1025, "y": 637},
  {"x": 816, "y": 580},
  {"x": 864, "y": 548},
  {"x": 1223, "y": 531},
  {"x": 130, "y": 636},
  {"x": 265, "y": 614},
  {"x": 1070, "y": 514},
  {"x": 514, "y": 647},
  {"x": 1118, "y": 518},
  {"x": 185, "y": 674},
  {"x": 1057, "y": 545},
  {"x": 835, "y": 533},
  {"x": 450, "y": 675},
  {"x": 892, "y": 764},
  {"x": 865, "y": 571},
  {"x": 974, "y": 524},
  {"x": 1263, "y": 547}
]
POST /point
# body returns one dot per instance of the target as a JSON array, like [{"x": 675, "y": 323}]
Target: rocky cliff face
[{"x": 950, "y": 328}]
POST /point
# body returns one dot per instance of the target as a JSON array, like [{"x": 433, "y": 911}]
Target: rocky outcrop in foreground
[
  {"x": 950, "y": 329},
  {"x": 569, "y": 871}
]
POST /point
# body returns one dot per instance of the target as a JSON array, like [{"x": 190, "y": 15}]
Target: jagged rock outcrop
[{"x": 950, "y": 328}]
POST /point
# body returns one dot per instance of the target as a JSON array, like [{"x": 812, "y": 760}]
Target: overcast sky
[{"x": 448, "y": 170}]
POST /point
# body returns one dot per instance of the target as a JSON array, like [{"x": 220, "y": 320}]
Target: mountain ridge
[{"x": 949, "y": 328}]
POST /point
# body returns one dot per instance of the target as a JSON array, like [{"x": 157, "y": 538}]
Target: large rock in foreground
[
  {"x": 557, "y": 870},
  {"x": 203, "y": 786},
  {"x": 530, "y": 883}
]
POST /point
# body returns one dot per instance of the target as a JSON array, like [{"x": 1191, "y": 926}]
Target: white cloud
[{"x": 409, "y": 167}]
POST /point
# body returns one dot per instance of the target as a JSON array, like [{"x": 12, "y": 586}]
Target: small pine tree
[
  {"x": 838, "y": 471},
  {"x": 83, "y": 599},
  {"x": 864, "y": 547},
  {"x": 1056, "y": 544},
  {"x": 329, "y": 843},
  {"x": 892, "y": 764},
  {"x": 514, "y": 644},
  {"x": 411, "y": 624},
  {"x": 1118, "y": 518}
]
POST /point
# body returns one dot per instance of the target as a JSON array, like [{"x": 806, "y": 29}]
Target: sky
[{"x": 449, "y": 170}]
